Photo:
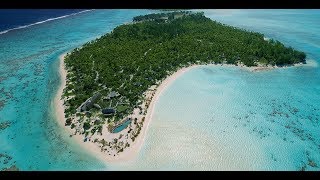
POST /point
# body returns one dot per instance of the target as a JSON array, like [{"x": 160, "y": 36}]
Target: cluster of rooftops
[{"x": 91, "y": 102}]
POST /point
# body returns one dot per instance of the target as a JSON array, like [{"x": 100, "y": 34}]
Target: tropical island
[{"x": 112, "y": 82}]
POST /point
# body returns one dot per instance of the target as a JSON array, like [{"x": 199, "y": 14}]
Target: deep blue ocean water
[
  {"x": 239, "y": 120},
  {"x": 13, "y": 18}
]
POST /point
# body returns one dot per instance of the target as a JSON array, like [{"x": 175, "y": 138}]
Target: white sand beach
[
  {"x": 93, "y": 148},
  {"x": 130, "y": 152}
]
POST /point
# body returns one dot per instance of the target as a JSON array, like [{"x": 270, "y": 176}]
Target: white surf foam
[{"x": 40, "y": 22}]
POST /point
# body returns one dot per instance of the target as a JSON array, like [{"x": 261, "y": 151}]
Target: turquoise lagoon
[
  {"x": 210, "y": 118},
  {"x": 29, "y": 81}
]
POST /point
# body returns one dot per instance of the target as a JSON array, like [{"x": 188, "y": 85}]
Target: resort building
[
  {"x": 108, "y": 111},
  {"x": 88, "y": 104}
]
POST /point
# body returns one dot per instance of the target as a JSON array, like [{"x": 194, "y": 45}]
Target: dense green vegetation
[
  {"x": 135, "y": 56},
  {"x": 160, "y": 16}
]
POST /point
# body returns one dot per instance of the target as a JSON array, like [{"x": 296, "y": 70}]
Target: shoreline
[
  {"x": 59, "y": 112},
  {"x": 131, "y": 152},
  {"x": 43, "y": 21},
  {"x": 92, "y": 148}
]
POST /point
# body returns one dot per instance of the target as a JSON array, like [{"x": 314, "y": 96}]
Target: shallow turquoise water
[
  {"x": 29, "y": 81},
  {"x": 222, "y": 118},
  {"x": 214, "y": 118},
  {"x": 219, "y": 118}
]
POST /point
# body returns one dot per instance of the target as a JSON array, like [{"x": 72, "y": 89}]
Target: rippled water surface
[{"x": 211, "y": 118}]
